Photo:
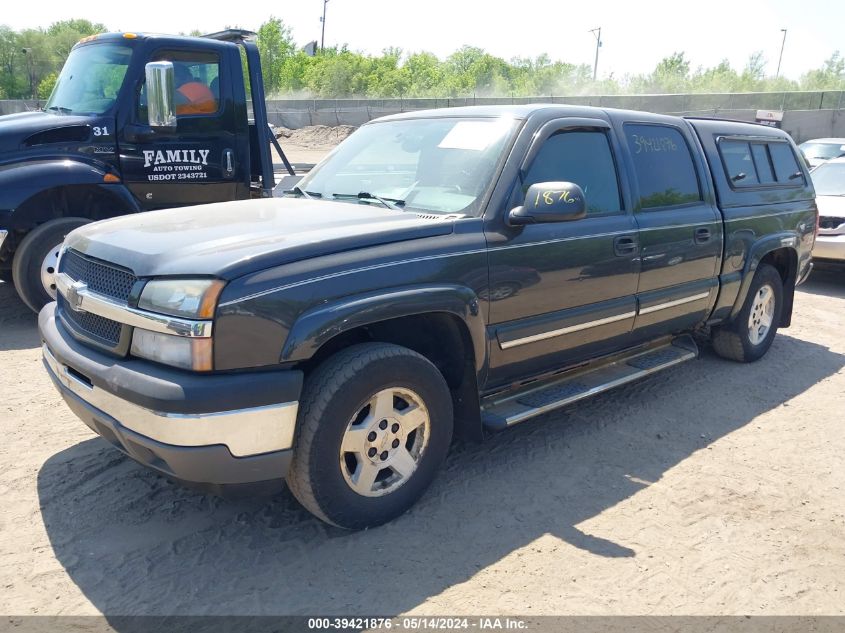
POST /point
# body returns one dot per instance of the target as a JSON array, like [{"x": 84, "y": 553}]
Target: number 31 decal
[{"x": 101, "y": 131}]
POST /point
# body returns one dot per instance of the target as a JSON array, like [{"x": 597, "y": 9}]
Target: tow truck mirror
[
  {"x": 160, "y": 95},
  {"x": 550, "y": 202}
]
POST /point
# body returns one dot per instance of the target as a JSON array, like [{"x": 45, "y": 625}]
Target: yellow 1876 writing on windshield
[
  {"x": 654, "y": 144},
  {"x": 549, "y": 197}
]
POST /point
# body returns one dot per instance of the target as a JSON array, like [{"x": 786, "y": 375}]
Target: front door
[
  {"x": 565, "y": 291},
  {"x": 195, "y": 163}
]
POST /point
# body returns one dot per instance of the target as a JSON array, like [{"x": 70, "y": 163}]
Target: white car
[
  {"x": 829, "y": 181},
  {"x": 819, "y": 150}
]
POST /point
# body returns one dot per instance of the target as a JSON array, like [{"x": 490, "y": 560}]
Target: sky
[{"x": 635, "y": 34}]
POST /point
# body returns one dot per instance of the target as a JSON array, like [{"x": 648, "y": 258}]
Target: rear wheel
[
  {"x": 749, "y": 336},
  {"x": 34, "y": 265},
  {"x": 374, "y": 427}
]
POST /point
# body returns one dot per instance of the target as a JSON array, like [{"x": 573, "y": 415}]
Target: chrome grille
[
  {"x": 102, "y": 278},
  {"x": 105, "y": 279},
  {"x": 101, "y": 329}
]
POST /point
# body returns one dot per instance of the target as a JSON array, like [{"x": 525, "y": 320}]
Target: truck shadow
[
  {"x": 825, "y": 282},
  {"x": 18, "y": 324},
  {"x": 135, "y": 543}
]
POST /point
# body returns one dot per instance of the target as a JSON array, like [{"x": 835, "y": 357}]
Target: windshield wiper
[
  {"x": 390, "y": 203},
  {"x": 61, "y": 109},
  {"x": 299, "y": 191}
]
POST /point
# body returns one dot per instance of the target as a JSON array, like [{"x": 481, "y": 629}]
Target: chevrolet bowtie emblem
[{"x": 75, "y": 295}]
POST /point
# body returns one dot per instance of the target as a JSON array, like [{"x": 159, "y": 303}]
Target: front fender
[
  {"x": 21, "y": 181},
  {"x": 318, "y": 325},
  {"x": 759, "y": 250}
]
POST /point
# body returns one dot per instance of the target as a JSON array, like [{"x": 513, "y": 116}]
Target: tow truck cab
[{"x": 136, "y": 122}]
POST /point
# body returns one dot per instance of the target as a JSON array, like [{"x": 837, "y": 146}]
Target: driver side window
[
  {"x": 196, "y": 83},
  {"x": 584, "y": 158}
]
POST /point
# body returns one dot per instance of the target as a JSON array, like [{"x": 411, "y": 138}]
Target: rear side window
[
  {"x": 663, "y": 165},
  {"x": 755, "y": 164},
  {"x": 786, "y": 167},
  {"x": 585, "y": 159}
]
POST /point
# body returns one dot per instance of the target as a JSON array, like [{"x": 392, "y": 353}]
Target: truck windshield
[
  {"x": 90, "y": 79},
  {"x": 441, "y": 165}
]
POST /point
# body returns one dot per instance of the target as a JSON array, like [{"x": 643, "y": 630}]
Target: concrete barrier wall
[{"x": 807, "y": 114}]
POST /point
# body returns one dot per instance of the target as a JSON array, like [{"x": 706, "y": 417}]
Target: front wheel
[
  {"x": 34, "y": 265},
  {"x": 374, "y": 426},
  {"x": 749, "y": 336}
]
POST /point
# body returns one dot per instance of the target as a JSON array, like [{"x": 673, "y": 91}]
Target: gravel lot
[{"x": 712, "y": 488}]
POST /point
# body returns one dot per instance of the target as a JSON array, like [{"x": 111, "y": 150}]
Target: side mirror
[
  {"x": 550, "y": 202},
  {"x": 160, "y": 95}
]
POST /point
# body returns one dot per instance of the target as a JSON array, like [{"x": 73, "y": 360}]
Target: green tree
[
  {"x": 831, "y": 75},
  {"x": 276, "y": 45}
]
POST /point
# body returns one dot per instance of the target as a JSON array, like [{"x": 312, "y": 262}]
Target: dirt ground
[{"x": 712, "y": 488}]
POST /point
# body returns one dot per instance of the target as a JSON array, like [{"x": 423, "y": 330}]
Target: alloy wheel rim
[
  {"x": 48, "y": 270},
  {"x": 384, "y": 442},
  {"x": 762, "y": 314}
]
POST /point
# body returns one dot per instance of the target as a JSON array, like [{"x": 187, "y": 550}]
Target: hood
[
  {"x": 831, "y": 206},
  {"x": 231, "y": 239},
  {"x": 26, "y": 129}
]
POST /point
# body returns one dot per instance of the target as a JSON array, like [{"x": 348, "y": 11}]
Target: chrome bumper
[
  {"x": 245, "y": 432},
  {"x": 3, "y": 235}
]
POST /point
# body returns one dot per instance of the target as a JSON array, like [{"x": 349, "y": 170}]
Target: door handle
[
  {"x": 702, "y": 235},
  {"x": 625, "y": 245},
  {"x": 228, "y": 163}
]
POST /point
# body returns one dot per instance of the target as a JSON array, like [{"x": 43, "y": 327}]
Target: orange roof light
[
  {"x": 110, "y": 178},
  {"x": 130, "y": 36}
]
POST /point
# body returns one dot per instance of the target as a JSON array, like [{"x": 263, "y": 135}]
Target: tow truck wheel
[
  {"x": 374, "y": 427},
  {"x": 34, "y": 265},
  {"x": 748, "y": 337}
]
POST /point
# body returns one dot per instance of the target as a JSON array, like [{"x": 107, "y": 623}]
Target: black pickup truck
[
  {"x": 136, "y": 122},
  {"x": 441, "y": 273}
]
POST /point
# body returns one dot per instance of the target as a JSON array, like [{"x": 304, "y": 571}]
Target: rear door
[
  {"x": 195, "y": 163},
  {"x": 680, "y": 228},
  {"x": 565, "y": 291}
]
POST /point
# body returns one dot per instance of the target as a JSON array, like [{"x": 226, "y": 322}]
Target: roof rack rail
[
  {"x": 719, "y": 118},
  {"x": 231, "y": 35}
]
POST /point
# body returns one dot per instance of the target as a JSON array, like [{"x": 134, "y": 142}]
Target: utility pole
[
  {"x": 323, "y": 20},
  {"x": 783, "y": 42},
  {"x": 28, "y": 54},
  {"x": 597, "y": 34}
]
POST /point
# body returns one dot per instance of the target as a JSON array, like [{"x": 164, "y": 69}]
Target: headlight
[
  {"x": 178, "y": 351},
  {"x": 191, "y": 298}
]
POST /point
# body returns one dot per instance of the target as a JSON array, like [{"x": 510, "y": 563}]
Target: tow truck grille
[{"x": 104, "y": 279}]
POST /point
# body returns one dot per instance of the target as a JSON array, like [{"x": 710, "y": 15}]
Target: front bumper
[
  {"x": 829, "y": 247},
  {"x": 207, "y": 429}
]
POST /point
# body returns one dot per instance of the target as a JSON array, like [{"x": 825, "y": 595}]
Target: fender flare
[
  {"x": 317, "y": 326},
  {"x": 758, "y": 250},
  {"x": 20, "y": 182}
]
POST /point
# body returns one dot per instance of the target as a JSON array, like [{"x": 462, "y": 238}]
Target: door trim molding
[{"x": 566, "y": 330}]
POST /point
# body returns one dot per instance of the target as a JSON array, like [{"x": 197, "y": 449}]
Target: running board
[{"x": 506, "y": 409}]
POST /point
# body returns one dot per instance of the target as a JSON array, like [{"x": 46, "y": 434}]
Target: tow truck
[{"x": 136, "y": 122}]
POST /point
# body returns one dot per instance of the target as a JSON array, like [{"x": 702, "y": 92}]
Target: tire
[
  {"x": 338, "y": 410},
  {"x": 31, "y": 256},
  {"x": 737, "y": 340}
]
